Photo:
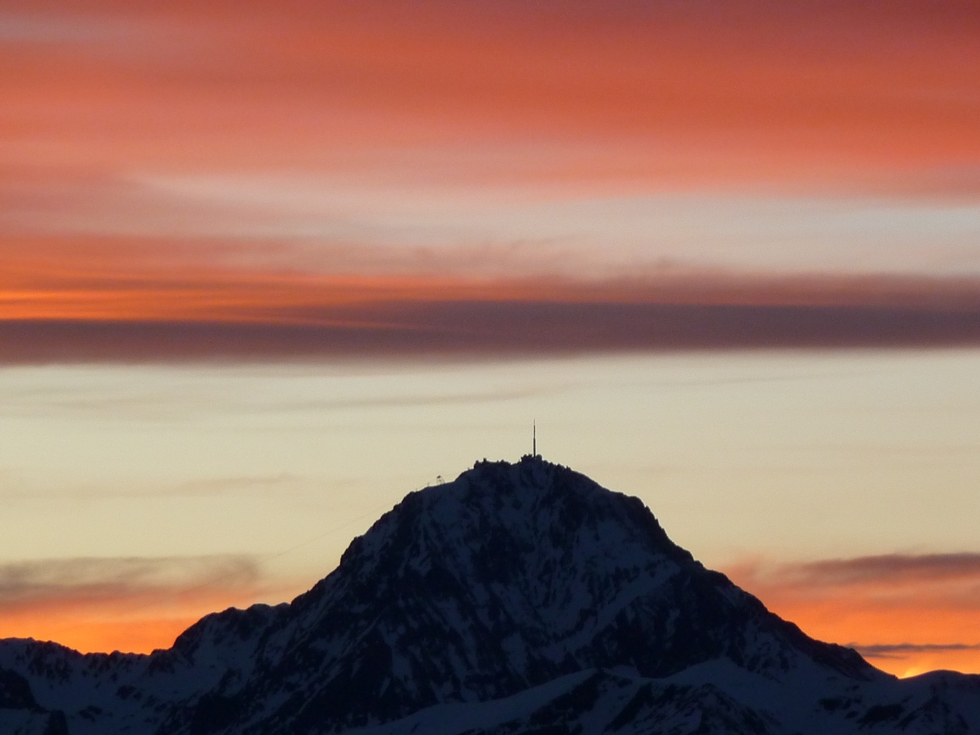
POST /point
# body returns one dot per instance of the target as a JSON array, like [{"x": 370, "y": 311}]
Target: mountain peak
[
  {"x": 499, "y": 520},
  {"x": 518, "y": 596}
]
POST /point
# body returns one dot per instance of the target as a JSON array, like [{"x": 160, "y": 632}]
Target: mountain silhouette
[{"x": 519, "y": 599}]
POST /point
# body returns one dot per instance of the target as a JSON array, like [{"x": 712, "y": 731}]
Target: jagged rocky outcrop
[{"x": 521, "y": 598}]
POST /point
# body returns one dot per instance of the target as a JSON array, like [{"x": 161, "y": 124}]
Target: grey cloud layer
[
  {"x": 891, "y": 569},
  {"x": 487, "y": 329},
  {"x": 902, "y": 650},
  {"x": 904, "y": 574}
]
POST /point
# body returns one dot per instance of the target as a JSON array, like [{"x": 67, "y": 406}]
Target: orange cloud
[
  {"x": 133, "y": 605},
  {"x": 905, "y": 613},
  {"x": 700, "y": 92},
  {"x": 106, "y": 99},
  {"x": 105, "y": 299}
]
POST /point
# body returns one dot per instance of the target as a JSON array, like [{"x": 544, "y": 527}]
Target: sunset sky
[{"x": 267, "y": 267}]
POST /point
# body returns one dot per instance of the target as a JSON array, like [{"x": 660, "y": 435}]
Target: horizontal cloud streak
[
  {"x": 328, "y": 180},
  {"x": 486, "y": 329},
  {"x": 889, "y": 569},
  {"x": 58, "y": 582},
  {"x": 903, "y": 650},
  {"x": 909, "y": 612},
  {"x": 812, "y": 88},
  {"x": 329, "y": 224},
  {"x": 943, "y": 581}
]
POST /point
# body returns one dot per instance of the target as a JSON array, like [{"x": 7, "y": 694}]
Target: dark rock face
[{"x": 520, "y": 598}]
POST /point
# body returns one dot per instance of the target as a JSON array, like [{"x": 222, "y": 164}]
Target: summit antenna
[{"x": 534, "y": 439}]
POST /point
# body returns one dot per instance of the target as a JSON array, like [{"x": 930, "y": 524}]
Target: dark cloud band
[
  {"x": 488, "y": 329},
  {"x": 892, "y": 569}
]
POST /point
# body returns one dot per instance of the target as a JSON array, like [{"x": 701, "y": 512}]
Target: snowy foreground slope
[{"x": 521, "y": 598}]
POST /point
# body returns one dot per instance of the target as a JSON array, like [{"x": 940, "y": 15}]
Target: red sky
[
  {"x": 927, "y": 605},
  {"x": 120, "y": 116},
  {"x": 251, "y": 181},
  {"x": 811, "y": 91}
]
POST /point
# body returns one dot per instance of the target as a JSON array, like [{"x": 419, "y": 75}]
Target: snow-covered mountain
[{"x": 520, "y": 598}]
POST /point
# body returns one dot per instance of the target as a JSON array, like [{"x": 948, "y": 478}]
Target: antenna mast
[{"x": 534, "y": 439}]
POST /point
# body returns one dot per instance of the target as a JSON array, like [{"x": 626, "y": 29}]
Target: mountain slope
[{"x": 518, "y": 598}]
